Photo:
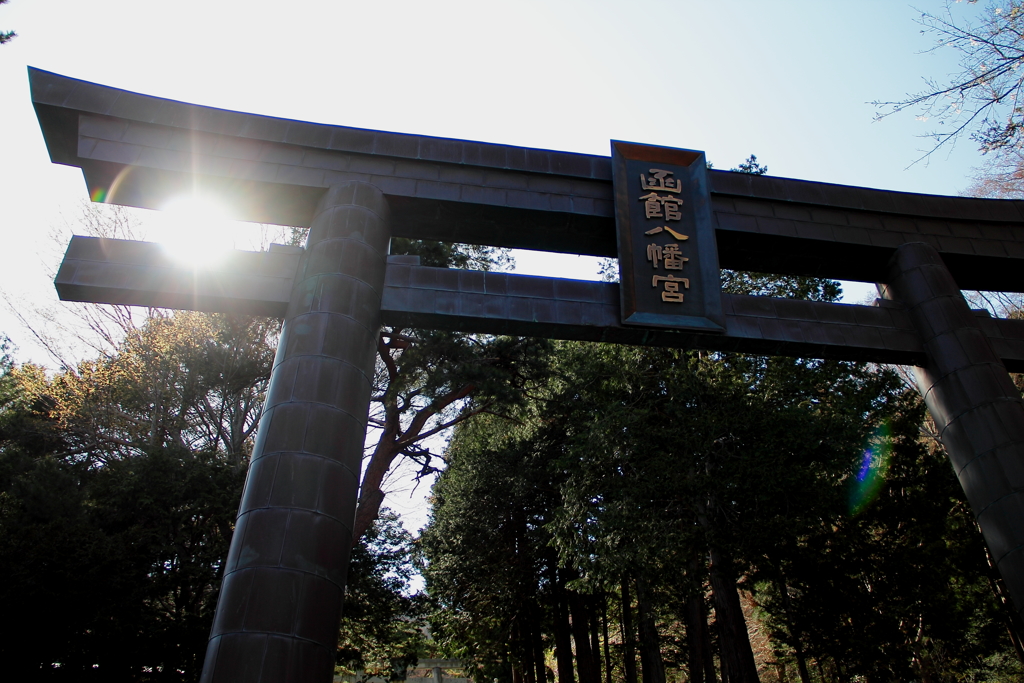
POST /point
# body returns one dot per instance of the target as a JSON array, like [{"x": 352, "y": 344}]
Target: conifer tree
[{"x": 6, "y": 36}]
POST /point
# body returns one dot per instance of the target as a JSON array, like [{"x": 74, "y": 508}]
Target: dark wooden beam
[{"x": 140, "y": 273}]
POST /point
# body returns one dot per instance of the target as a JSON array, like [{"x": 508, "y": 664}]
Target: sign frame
[{"x": 686, "y": 203}]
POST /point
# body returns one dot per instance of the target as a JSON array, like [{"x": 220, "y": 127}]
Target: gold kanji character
[
  {"x": 674, "y": 260},
  {"x": 672, "y": 212},
  {"x": 671, "y": 293},
  {"x": 655, "y": 204},
  {"x": 654, "y": 254},
  {"x": 678, "y": 235},
  {"x": 660, "y": 181},
  {"x": 652, "y": 207}
]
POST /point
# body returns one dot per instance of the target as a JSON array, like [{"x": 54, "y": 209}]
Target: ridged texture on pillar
[
  {"x": 974, "y": 403},
  {"x": 280, "y": 603}
]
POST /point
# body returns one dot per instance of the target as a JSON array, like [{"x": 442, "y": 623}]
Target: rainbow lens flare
[
  {"x": 104, "y": 195},
  {"x": 870, "y": 475}
]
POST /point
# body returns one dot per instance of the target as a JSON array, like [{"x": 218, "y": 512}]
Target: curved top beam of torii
[{"x": 139, "y": 150}]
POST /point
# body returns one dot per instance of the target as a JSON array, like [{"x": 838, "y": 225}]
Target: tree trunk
[
  {"x": 737, "y": 655},
  {"x": 595, "y": 635},
  {"x": 821, "y": 671},
  {"x": 392, "y": 441},
  {"x": 563, "y": 644},
  {"x": 702, "y": 665},
  {"x": 525, "y": 646},
  {"x": 607, "y": 651},
  {"x": 794, "y": 633},
  {"x": 650, "y": 647},
  {"x": 841, "y": 671},
  {"x": 707, "y": 646},
  {"x": 581, "y": 639},
  {"x": 537, "y": 649},
  {"x": 628, "y": 651}
]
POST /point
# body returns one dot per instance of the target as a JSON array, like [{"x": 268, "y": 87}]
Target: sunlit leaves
[{"x": 185, "y": 380}]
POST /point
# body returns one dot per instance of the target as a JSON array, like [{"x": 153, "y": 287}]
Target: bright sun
[{"x": 196, "y": 229}]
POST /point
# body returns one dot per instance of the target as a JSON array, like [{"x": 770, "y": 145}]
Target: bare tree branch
[{"x": 982, "y": 100}]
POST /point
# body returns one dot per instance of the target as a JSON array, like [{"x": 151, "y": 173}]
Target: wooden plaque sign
[{"x": 668, "y": 260}]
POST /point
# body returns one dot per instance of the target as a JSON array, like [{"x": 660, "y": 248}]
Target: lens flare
[
  {"x": 108, "y": 195},
  {"x": 869, "y": 477},
  {"x": 195, "y": 229}
]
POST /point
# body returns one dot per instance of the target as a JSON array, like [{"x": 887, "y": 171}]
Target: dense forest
[{"x": 661, "y": 515}]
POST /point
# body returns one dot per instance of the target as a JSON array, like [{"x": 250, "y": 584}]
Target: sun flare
[{"x": 196, "y": 229}]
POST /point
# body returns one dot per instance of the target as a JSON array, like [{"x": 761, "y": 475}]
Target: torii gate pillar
[
  {"x": 976, "y": 407},
  {"x": 280, "y": 604}
]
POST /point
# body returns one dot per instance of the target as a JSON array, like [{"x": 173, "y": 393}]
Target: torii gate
[{"x": 672, "y": 225}]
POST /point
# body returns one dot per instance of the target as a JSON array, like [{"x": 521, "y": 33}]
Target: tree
[
  {"x": 490, "y": 572},
  {"x": 673, "y": 457},
  {"x": 428, "y": 381},
  {"x": 6, "y": 36},
  {"x": 985, "y": 99},
  {"x": 382, "y": 622},
  {"x": 1001, "y": 176},
  {"x": 900, "y": 562},
  {"x": 122, "y": 561},
  {"x": 751, "y": 167},
  {"x": 119, "y": 484},
  {"x": 120, "y": 477},
  {"x": 189, "y": 381},
  {"x": 640, "y": 464}
]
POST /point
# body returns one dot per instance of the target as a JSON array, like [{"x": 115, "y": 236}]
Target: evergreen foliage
[
  {"x": 640, "y": 465},
  {"x": 119, "y": 485},
  {"x": 382, "y": 625},
  {"x": 490, "y": 568},
  {"x": 111, "y": 572},
  {"x": 6, "y": 36}
]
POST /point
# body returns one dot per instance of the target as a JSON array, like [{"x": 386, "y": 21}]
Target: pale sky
[{"x": 787, "y": 80}]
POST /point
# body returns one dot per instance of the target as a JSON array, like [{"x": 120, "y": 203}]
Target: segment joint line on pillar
[{"x": 285, "y": 575}]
